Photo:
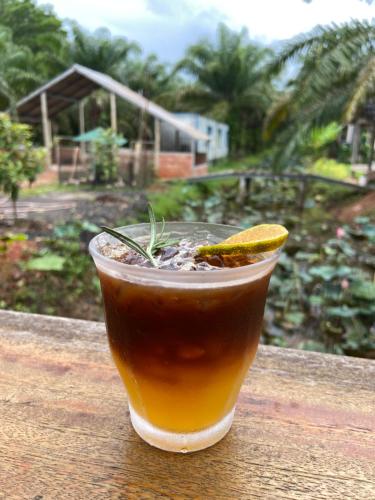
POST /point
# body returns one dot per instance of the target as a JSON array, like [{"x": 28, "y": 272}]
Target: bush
[
  {"x": 19, "y": 161},
  {"x": 330, "y": 168},
  {"x": 170, "y": 201},
  {"x": 105, "y": 153}
]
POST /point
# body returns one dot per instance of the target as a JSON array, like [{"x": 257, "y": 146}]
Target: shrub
[
  {"x": 330, "y": 168},
  {"x": 19, "y": 161},
  {"x": 105, "y": 153}
]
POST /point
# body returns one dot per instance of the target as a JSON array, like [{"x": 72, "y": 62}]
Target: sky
[{"x": 167, "y": 27}]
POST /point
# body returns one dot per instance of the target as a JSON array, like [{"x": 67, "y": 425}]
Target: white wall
[{"x": 218, "y": 132}]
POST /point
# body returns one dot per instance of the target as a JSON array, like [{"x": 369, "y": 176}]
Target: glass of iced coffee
[{"x": 183, "y": 330}]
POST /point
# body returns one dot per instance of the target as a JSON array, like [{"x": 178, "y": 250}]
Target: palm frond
[
  {"x": 364, "y": 87},
  {"x": 277, "y": 115}
]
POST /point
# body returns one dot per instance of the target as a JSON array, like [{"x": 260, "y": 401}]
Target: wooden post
[
  {"x": 156, "y": 145},
  {"x": 248, "y": 187},
  {"x": 303, "y": 191},
  {"x": 372, "y": 146},
  {"x": 58, "y": 158},
  {"x": 137, "y": 163},
  {"x": 81, "y": 116},
  {"x": 112, "y": 98},
  {"x": 356, "y": 138},
  {"x": 46, "y": 129},
  {"x": 243, "y": 189},
  {"x": 50, "y": 138}
]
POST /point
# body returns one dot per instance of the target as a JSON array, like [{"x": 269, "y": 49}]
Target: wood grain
[{"x": 304, "y": 426}]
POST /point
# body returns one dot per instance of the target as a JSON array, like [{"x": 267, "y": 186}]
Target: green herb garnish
[{"x": 157, "y": 240}]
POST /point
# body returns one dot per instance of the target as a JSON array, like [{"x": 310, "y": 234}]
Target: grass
[
  {"x": 169, "y": 199},
  {"x": 49, "y": 188},
  {"x": 69, "y": 188},
  {"x": 240, "y": 164}
]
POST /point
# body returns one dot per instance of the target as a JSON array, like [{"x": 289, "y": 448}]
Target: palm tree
[
  {"x": 39, "y": 29},
  {"x": 230, "y": 84},
  {"x": 100, "y": 50},
  {"x": 17, "y": 73},
  {"x": 335, "y": 80},
  {"x": 150, "y": 77},
  {"x": 33, "y": 26}
]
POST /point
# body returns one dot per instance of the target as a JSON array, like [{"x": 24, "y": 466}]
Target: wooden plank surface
[{"x": 304, "y": 426}]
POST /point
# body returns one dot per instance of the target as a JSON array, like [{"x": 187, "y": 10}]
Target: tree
[
  {"x": 100, "y": 50},
  {"x": 230, "y": 84},
  {"x": 150, "y": 77},
  {"x": 17, "y": 75},
  {"x": 37, "y": 28},
  {"x": 32, "y": 26},
  {"x": 335, "y": 80},
  {"x": 19, "y": 161}
]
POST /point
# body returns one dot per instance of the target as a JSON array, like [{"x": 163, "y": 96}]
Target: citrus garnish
[{"x": 257, "y": 239}]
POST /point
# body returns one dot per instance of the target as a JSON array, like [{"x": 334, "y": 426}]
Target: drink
[{"x": 183, "y": 340}]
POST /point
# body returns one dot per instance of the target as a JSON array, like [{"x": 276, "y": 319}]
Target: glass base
[{"x": 177, "y": 441}]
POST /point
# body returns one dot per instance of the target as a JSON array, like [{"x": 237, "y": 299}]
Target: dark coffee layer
[{"x": 186, "y": 327}]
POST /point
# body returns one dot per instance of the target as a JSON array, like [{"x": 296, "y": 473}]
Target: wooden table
[{"x": 304, "y": 426}]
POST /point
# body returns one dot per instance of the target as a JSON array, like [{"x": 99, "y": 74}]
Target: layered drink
[{"x": 183, "y": 330}]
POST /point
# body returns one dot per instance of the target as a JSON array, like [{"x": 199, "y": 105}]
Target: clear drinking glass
[{"x": 182, "y": 341}]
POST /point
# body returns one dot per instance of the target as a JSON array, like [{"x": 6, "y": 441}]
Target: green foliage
[
  {"x": 254, "y": 161},
  {"x": 152, "y": 78},
  {"x": 17, "y": 74},
  {"x": 59, "y": 278},
  {"x": 330, "y": 168},
  {"x": 19, "y": 161},
  {"x": 321, "y": 137},
  {"x": 169, "y": 203},
  {"x": 322, "y": 289},
  {"x": 47, "y": 262},
  {"x": 32, "y": 48},
  {"x": 100, "y": 50},
  {"x": 230, "y": 84},
  {"x": 105, "y": 153},
  {"x": 329, "y": 289},
  {"x": 307, "y": 144},
  {"x": 335, "y": 80},
  {"x": 8, "y": 239},
  {"x": 33, "y": 26}
]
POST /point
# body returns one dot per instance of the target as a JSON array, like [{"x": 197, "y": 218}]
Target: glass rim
[{"x": 122, "y": 270}]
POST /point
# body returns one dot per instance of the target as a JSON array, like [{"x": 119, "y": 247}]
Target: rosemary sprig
[{"x": 157, "y": 241}]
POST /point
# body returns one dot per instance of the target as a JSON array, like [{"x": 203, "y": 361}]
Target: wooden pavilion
[{"x": 75, "y": 84}]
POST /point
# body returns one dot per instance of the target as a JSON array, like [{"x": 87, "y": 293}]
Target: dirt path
[
  {"x": 360, "y": 207},
  {"x": 100, "y": 208}
]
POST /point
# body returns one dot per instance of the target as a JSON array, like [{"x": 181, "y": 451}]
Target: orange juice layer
[{"x": 181, "y": 400}]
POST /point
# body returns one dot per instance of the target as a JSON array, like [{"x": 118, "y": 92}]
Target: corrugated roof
[{"x": 78, "y": 82}]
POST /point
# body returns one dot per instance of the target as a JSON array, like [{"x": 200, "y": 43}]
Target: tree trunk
[{"x": 14, "y": 204}]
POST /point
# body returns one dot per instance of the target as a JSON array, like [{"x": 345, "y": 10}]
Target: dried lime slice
[{"x": 257, "y": 239}]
